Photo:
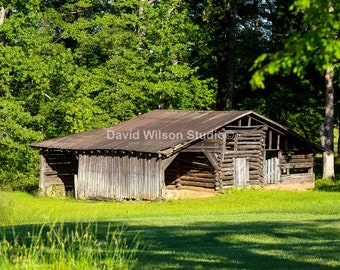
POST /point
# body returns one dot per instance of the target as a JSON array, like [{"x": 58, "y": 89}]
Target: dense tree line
[{"x": 71, "y": 65}]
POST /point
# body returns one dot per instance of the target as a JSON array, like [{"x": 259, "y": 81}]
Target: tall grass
[
  {"x": 5, "y": 209},
  {"x": 67, "y": 246}
]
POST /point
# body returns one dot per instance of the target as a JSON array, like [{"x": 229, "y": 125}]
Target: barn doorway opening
[
  {"x": 190, "y": 171},
  {"x": 58, "y": 174}
]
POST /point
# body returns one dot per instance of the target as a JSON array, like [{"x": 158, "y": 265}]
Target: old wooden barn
[{"x": 170, "y": 150}]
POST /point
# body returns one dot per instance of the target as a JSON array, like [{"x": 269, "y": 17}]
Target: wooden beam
[
  {"x": 223, "y": 146},
  {"x": 42, "y": 172},
  {"x": 247, "y": 127},
  {"x": 212, "y": 159},
  {"x": 167, "y": 162}
]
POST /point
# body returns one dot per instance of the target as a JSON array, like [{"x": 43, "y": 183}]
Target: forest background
[{"x": 70, "y": 66}]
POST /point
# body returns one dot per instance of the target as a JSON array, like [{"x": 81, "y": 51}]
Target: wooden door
[
  {"x": 241, "y": 172},
  {"x": 271, "y": 170}
]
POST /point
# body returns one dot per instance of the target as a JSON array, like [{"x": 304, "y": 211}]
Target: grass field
[{"x": 243, "y": 229}]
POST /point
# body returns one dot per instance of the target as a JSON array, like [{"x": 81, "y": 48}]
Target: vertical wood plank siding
[{"x": 119, "y": 177}]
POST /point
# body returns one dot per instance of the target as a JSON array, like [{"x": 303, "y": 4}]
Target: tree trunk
[
  {"x": 327, "y": 131},
  {"x": 338, "y": 146},
  {"x": 222, "y": 89},
  {"x": 226, "y": 62},
  {"x": 256, "y": 16},
  {"x": 3, "y": 12}
]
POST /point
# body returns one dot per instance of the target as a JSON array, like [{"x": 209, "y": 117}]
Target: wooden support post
[
  {"x": 42, "y": 173},
  {"x": 76, "y": 186},
  {"x": 270, "y": 140},
  {"x": 223, "y": 146},
  {"x": 278, "y": 142},
  {"x": 212, "y": 159}
]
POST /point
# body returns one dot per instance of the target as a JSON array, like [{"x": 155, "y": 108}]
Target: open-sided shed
[{"x": 161, "y": 150}]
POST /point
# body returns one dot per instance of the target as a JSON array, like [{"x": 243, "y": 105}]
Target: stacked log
[
  {"x": 58, "y": 170},
  {"x": 248, "y": 144},
  {"x": 190, "y": 170},
  {"x": 297, "y": 168}
]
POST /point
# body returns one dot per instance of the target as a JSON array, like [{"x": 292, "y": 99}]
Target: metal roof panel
[{"x": 153, "y": 132}]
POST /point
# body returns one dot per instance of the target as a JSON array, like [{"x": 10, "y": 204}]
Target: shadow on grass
[{"x": 309, "y": 245}]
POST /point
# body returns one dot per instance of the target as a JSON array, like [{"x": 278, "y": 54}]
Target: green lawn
[{"x": 243, "y": 229}]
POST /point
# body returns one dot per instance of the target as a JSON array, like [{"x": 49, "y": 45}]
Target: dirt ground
[
  {"x": 291, "y": 186},
  {"x": 200, "y": 193},
  {"x": 183, "y": 193}
]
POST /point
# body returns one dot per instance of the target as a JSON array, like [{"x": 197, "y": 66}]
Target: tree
[
  {"x": 3, "y": 12},
  {"x": 219, "y": 22},
  {"x": 317, "y": 45},
  {"x": 69, "y": 66}
]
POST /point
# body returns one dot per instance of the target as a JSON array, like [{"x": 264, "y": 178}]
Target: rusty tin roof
[{"x": 159, "y": 131}]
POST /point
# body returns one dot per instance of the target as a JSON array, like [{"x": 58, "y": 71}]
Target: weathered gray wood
[
  {"x": 197, "y": 179},
  {"x": 213, "y": 160},
  {"x": 298, "y": 178},
  {"x": 167, "y": 162},
  {"x": 197, "y": 184},
  {"x": 272, "y": 170},
  {"x": 119, "y": 177},
  {"x": 241, "y": 173},
  {"x": 270, "y": 138},
  {"x": 42, "y": 180}
]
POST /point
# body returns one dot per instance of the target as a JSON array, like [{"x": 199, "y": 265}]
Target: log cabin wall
[
  {"x": 218, "y": 162},
  {"x": 249, "y": 146},
  {"x": 119, "y": 177},
  {"x": 296, "y": 168},
  {"x": 287, "y": 161},
  {"x": 57, "y": 171}
]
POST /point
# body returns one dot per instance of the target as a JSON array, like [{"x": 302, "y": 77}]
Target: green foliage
[
  {"x": 66, "y": 67},
  {"x": 316, "y": 45},
  {"x": 65, "y": 246},
  {"x": 327, "y": 184},
  {"x": 295, "y": 104},
  {"x": 19, "y": 163}
]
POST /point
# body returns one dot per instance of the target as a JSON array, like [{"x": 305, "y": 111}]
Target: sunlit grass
[
  {"x": 242, "y": 229},
  {"x": 24, "y": 208}
]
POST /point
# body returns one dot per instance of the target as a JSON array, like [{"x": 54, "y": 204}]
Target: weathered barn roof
[{"x": 159, "y": 131}]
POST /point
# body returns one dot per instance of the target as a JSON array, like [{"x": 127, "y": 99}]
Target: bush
[
  {"x": 18, "y": 181},
  {"x": 327, "y": 184}
]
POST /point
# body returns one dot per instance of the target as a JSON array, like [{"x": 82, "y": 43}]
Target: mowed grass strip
[{"x": 243, "y": 229}]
